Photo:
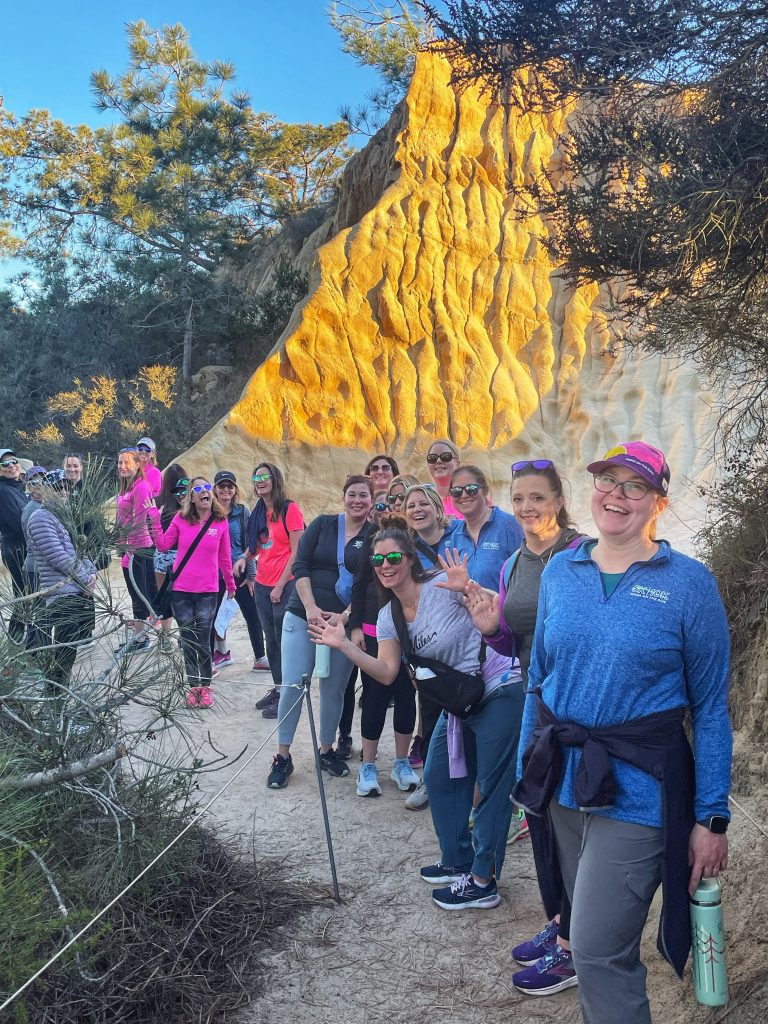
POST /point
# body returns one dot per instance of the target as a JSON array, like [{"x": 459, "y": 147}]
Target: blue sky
[{"x": 286, "y": 54}]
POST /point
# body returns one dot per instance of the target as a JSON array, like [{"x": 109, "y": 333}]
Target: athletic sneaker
[
  {"x": 466, "y": 894},
  {"x": 271, "y": 710},
  {"x": 260, "y": 665},
  {"x": 404, "y": 777},
  {"x": 344, "y": 747},
  {"x": 268, "y": 699},
  {"x": 534, "y": 949},
  {"x": 206, "y": 698},
  {"x": 222, "y": 660},
  {"x": 368, "y": 780},
  {"x": 553, "y": 973},
  {"x": 331, "y": 763},
  {"x": 439, "y": 874},
  {"x": 518, "y": 827},
  {"x": 133, "y": 645},
  {"x": 418, "y": 799},
  {"x": 282, "y": 767},
  {"x": 415, "y": 758}
]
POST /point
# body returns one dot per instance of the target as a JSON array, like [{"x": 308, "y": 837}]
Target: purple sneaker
[
  {"x": 534, "y": 949},
  {"x": 553, "y": 973}
]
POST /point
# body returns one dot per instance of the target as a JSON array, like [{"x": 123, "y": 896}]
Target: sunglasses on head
[
  {"x": 380, "y": 506},
  {"x": 458, "y": 489},
  {"x": 393, "y": 557},
  {"x": 442, "y": 457},
  {"x": 199, "y": 488},
  {"x": 394, "y": 499},
  {"x": 259, "y": 478},
  {"x": 518, "y": 467},
  {"x": 124, "y": 451},
  {"x": 7, "y": 463}
]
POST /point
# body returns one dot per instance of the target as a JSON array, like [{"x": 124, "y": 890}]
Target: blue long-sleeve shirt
[
  {"x": 498, "y": 538},
  {"x": 659, "y": 641}
]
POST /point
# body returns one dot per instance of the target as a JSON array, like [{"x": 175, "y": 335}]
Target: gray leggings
[
  {"x": 298, "y": 658},
  {"x": 611, "y": 870}
]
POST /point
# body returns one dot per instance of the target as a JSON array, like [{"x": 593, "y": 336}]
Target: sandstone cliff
[{"x": 434, "y": 310}]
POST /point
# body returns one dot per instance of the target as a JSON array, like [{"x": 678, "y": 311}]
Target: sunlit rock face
[{"x": 434, "y": 310}]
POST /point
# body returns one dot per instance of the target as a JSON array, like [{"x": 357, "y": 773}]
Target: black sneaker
[
  {"x": 271, "y": 711},
  {"x": 268, "y": 699},
  {"x": 344, "y": 747},
  {"x": 282, "y": 767},
  {"x": 443, "y": 873},
  {"x": 330, "y": 762}
]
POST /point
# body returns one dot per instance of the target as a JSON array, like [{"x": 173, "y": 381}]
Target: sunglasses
[
  {"x": 383, "y": 468},
  {"x": 199, "y": 488},
  {"x": 259, "y": 478},
  {"x": 380, "y": 506},
  {"x": 442, "y": 457},
  {"x": 125, "y": 451},
  {"x": 518, "y": 467},
  {"x": 8, "y": 463},
  {"x": 393, "y": 557},
  {"x": 396, "y": 499},
  {"x": 226, "y": 483},
  {"x": 143, "y": 448},
  {"x": 458, "y": 489}
]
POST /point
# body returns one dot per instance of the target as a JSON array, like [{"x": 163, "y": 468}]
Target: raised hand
[
  {"x": 483, "y": 607},
  {"x": 454, "y": 566},
  {"x": 328, "y": 631}
]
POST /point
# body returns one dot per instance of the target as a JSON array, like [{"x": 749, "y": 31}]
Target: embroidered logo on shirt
[
  {"x": 357, "y": 544},
  {"x": 650, "y": 593},
  {"x": 212, "y": 531},
  {"x": 490, "y": 545}
]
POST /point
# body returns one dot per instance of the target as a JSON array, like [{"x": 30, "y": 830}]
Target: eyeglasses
[
  {"x": 459, "y": 489},
  {"x": 442, "y": 457},
  {"x": 630, "y": 488},
  {"x": 396, "y": 499},
  {"x": 518, "y": 467},
  {"x": 380, "y": 506},
  {"x": 199, "y": 488},
  {"x": 259, "y": 478},
  {"x": 393, "y": 557},
  {"x": 8, "y": 463}
]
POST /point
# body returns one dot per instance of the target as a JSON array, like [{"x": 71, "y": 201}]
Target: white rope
[{"x": 154, "y": 861}]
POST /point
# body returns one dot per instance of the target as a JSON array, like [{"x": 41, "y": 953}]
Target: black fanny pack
[{"x": 458, "y": 693}]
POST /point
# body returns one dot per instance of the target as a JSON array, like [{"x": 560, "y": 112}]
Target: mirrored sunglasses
[
  {"x": 380, "y": 506},
  {"x": 7, "y": 463},
  {"x": 393, "y": 557},
  {"x": 518, "y": 467},
  {"x": 442, "y": 457},
  {"x": 199, "y": 488},
  {"x": 458, "y": 489},
  {"x": 259, "y": 478}
]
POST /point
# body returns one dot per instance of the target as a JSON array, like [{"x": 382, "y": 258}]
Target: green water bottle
[{"x": 710, "y": 974}]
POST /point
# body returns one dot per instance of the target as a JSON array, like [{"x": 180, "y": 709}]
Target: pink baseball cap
[{"x": 643, "y": 459}]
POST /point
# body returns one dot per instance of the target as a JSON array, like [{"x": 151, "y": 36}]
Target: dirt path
[{"x": 387, "y": 955}]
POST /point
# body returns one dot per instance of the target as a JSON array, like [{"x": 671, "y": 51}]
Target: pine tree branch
[{"x": 65, "y": 772}]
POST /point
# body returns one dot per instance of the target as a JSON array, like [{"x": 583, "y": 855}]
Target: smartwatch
[{"x": 717, "y": 824}]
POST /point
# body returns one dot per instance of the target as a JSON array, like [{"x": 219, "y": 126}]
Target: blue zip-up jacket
[
  {"x": 498, "y": 538},
  {"x": 660, "y": 641}
]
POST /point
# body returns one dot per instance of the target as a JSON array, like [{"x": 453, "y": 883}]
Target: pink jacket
[
  {"x": 132, "y": 518},
  {"x": 201, "y": 573}
]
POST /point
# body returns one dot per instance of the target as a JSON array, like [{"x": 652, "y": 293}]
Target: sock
[{"x": 480, "y": 885}]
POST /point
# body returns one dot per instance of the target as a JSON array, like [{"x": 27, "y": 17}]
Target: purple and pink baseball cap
[{"x": 645, "y": 460}]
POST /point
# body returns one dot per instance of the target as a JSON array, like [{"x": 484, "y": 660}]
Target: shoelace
[
  {"x": 461, "y": 884},
  {"x": 552, "y": 959},
  {"x": 545, "y": 936},
  {"x": 369, "y": 772}
]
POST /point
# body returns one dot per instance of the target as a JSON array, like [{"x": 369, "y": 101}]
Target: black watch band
[{"x": 717, "y": 824}]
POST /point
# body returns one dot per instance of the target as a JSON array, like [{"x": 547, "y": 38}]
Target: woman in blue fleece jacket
[{"x": 629, "y": 635}]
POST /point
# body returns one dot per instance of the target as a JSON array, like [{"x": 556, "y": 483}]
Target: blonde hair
[
  {"x": 448, "y": 444},
  {"x": 430, "y": 493},
  {"x": 406, "y": 479},
  {"x": 190, "y": 513},
  {"x": 124, "y": 483}
]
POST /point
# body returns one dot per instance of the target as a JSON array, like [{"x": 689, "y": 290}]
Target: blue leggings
[{"x": 491, "y": 737}]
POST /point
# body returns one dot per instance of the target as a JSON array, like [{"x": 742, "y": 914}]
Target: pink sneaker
[
  {"x": 193, "y": 697},
  {"x": 260, "y": 665},
  {"x": 222, "y": 660},
  {"x": 206, "y": 697}
]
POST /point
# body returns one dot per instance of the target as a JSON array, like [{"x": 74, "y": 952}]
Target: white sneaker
[
  {"x": 418, "y": 799},
  {"x": 368, "y": 780},
  {"x": 404, "y": 776}
]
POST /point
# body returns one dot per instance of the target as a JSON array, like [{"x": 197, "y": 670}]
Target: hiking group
[{"x": 543, "y": 678}]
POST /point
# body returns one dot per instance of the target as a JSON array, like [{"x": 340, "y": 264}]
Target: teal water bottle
[
  {"x": 710, "y": 974},
  {"x": 322, "y": 661}
]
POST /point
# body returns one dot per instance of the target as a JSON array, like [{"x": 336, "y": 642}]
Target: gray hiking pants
[{"x": 611, "y": 870}]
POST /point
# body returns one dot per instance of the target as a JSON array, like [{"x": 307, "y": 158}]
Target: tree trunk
[{"x": 186, "y": 359}]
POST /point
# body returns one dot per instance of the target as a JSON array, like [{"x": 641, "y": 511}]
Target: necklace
[{"x": 551, "y": 550}]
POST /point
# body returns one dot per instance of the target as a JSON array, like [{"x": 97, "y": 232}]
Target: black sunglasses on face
[
  {"x": 393, "y": 557},
  {"x": 442, "y": 457},
  {"x": 9, "y": 462},
  {"x": 457, "y": 490},
  {"x": 396, "y": 499},
  {"x": 383, "y": 468}
]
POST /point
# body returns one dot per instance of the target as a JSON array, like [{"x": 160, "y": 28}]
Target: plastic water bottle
[
  {"x": 710, "y": 974},
  {"x": 322, "y": 661}
]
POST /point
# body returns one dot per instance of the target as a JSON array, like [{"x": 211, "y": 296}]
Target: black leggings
[
  {"x": 195, "y": 614},
  {"x": 146, "y": 584},
  {"x": 376, "y": 698},
  {"x": 68, "y": 620},
  {"x": 247, "y": 605}
]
